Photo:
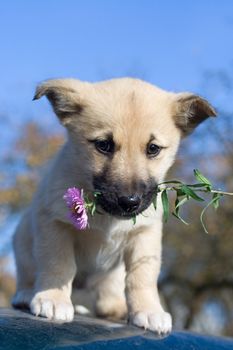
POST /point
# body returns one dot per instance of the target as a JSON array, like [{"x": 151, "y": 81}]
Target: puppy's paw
[
  {"x": 53, "y": 305},
  {"x": 159, "y": 322}
]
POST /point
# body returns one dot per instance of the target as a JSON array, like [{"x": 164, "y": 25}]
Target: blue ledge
[{"x": 22, "y": 331}]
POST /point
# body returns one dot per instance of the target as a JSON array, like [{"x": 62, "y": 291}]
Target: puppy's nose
[{"x": 130, "y": 203}]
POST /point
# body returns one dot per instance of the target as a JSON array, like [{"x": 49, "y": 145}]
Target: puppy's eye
[
  {"x": 153, "y": 150},
  {"x": 104, "y": 146}
]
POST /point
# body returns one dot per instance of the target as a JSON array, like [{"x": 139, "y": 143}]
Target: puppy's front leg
[
  {"x": 56, "y": 268},
  {"x": 142, "y": 260}
]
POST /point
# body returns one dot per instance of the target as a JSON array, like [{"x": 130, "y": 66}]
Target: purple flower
[{"x": 76, "y": 204}]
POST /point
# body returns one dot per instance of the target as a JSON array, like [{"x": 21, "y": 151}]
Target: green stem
[
  {"x": 201, "y": 190},
  {"x": 222, "y": 192}
]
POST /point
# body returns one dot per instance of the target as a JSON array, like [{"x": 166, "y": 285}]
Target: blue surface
[
  {"x": 175, "y": 341},
  {"x": 21, "y": 331}
]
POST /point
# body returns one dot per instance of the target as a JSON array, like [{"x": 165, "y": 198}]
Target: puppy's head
[{"x": 129, "y": 132}]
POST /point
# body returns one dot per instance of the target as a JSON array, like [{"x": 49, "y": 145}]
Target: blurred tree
[
  {"x": 35, "y": 146},
  {"x": 7, "y": 283}
]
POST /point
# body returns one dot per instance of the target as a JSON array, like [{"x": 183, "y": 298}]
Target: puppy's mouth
[
  {"x": 120, "y": 203},
  {"x": 115, "y": 210}
]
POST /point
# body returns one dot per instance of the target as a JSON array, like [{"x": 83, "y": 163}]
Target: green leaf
[
  {"x": 216, "y": 199},
  {"x": 199, "y": 185},
  {"x": 189, "y": 192},
  {"x": 215, "y": 203},
  {"x": 170, "y": 182},
  {"x": 200, "y": 177},
  {"x": 134, "y": 219},
  {"x": 165, "y": 204},
  {"x": 178, "y": 203},
  {"x": 154, "y": 200},
  {"x": 180, "y": 218},
  {"x": 93, "y": 209},
  {"x": 180, "y": 192},
  {"x": 96, "y": 193}
]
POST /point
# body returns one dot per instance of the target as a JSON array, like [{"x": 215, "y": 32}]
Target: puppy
[{"x": 123, "y": 135}]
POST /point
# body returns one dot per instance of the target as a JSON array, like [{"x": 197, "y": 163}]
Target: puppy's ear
[
  {"x": 190, "y": 111},
  {"x": 64, "y": 97}
]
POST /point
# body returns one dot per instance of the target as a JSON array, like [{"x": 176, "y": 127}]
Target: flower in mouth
[
  {"x": 77, "y": 209},
  {"x": 79, "y": 205}
]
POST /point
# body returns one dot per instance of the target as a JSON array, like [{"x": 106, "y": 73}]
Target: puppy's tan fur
[{"x": 121, "y": 258}]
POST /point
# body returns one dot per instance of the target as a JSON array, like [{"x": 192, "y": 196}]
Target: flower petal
[{"x": 76, "y": 204}]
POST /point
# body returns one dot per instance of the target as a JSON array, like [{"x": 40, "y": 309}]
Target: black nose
[{"x": 129, "y": 204}]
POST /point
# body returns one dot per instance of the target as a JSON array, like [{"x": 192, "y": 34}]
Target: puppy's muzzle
[{"x": 126, "y": 201}]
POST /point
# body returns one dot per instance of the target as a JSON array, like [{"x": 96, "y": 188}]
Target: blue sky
[{"x": 168, "y": 42}]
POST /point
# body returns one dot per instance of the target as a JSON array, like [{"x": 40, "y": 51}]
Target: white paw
[
  {"x": 159, "y": 322},
  {"x": 57, "y": 309}
]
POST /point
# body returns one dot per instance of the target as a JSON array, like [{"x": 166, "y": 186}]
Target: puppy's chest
[{"x": 100, "y": 254}]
